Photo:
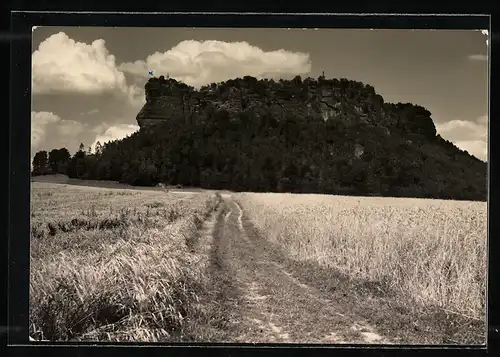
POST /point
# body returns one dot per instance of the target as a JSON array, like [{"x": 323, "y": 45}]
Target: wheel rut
[{"x": 266, "y": 303}]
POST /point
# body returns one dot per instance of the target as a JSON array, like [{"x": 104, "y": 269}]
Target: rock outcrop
[{"x": 342, "y": 100}]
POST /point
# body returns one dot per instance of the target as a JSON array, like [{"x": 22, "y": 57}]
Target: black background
[{"x": 16, "y": 33}]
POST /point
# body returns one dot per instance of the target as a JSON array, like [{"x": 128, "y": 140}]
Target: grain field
[
  {"x": 431, "y": 252},
  {"x": 115, "y": 264}
]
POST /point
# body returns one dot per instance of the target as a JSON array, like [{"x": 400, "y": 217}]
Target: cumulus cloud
[
  {"x": 39, "y": 123},
  {"x": 478, "y": 57},
  {"x": 49, "y": 131},
  {"x": 60, "y": 64},
  {"x": 468, "y": 135},
  {"x": 70, "y": 128},
  {"x": 100, "y": 128},
  {"x": 114, "y": 133},
  {"x": 202, "y": 62},
  {"x": 136, "y": 96}
]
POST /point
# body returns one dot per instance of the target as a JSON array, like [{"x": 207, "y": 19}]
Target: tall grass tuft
[{"x": 122, "y": 276}]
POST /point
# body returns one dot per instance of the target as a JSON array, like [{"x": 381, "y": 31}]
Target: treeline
[
  {"x": 56, "y": 161},
  {"x": 259, "y": 153}
]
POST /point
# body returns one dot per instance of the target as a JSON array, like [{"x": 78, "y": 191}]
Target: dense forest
[{"x": 349, "y": 153}]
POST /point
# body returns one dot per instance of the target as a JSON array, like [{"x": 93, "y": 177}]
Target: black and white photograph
[{"x": 259, "y": 185}]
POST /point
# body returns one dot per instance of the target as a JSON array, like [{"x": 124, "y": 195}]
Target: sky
[{"x": 88, "y": 82}]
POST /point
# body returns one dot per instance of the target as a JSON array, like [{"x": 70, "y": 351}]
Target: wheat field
[
  {"x": 432, "y": 252},
  {"x": 115, "y": 264}
]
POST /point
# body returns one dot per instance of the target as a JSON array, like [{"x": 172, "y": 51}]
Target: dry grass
[
  {"x": 430, "y": 252},
  {"x": 110, "y": 264}
]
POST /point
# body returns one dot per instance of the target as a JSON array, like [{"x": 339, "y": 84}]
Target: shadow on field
[{"x": 75, "y": 224}]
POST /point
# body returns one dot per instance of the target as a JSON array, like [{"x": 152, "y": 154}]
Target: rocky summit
[
  {"x": 326, "y": 136},
  {"x": 342, "y": 100}
]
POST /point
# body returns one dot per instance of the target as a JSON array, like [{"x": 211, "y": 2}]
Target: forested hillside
[{"x": 324, "y": 136}]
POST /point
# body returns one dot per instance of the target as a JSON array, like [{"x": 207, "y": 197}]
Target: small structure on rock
[{"x": 358, "y": 150}]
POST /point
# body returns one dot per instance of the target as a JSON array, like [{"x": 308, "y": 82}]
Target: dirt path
[{"x": 266, "y": 303}]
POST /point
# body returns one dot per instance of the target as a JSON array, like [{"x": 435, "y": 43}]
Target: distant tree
[
  {"x": 53, "y": 160},
  {"x": 77, "y": 164},
  {"x": 63, "y": 160},
  {"x": 58, "y": 160},
  {"x": 98, "y": 148},
  {"x": 40, "y": 163},
  {"x": 297, "y": 80}
]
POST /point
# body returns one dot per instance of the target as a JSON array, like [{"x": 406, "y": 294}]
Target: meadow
[
  {"x": 429, "y": 252},
  {"x": 115, "y": 264}
]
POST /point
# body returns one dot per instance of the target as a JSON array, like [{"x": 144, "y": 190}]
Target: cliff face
[
  {"x": 341, "y": 100},
  {"x": 303, "y": 136}
]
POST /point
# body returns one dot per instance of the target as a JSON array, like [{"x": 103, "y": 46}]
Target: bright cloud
[
  {"x": 39, "y": 123},
  {"x": 49, "y": 131},
  {"x": 468, "y": 135},
  {"x": 60, "y": 64},
  {"x": 136, "y": 96},
  {"x": 115, "y": 133},
  {"x": 70, "y": 128},
  {"x": 198, "y": 63}
]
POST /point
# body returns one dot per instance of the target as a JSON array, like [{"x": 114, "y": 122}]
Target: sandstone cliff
[{"x": 342, "y": 100}]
